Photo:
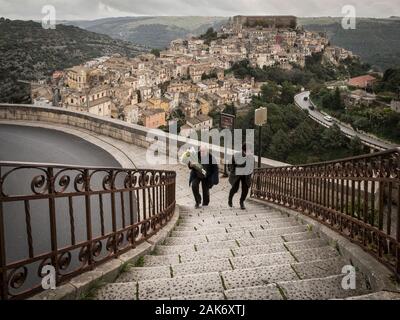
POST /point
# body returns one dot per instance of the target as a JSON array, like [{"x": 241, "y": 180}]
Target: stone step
[
  {"x": 241, "y": 278},
  {"x": 203, "y": 296},
  {"x": 259, "y": 249},
  {"x": 322, "y": 288},
  {"x": 248, "y": 227},
  {"x": 206, "y": 255},
  {"x": 283, "y": 268},
  {"x": 305, "y": 270},
  {"x": 174, "y": 270},
  {"x": 135, "y": 274},
  {"x": 197, "y": 232},
  {"x": 306, "y": 235},
  {"x": 265, "y": 292},
  {"x": 163, "y": 260},
  {"x": 227, "y": 210},
  {"x": 218, "y": 224},
  {"x": 380, "y": 295},
  {"x": 174, "y": 249},
  {"x": 299, "y": 249},
  {"x": 319, "y": 253},
  {"x": 259, "y": 227},
  {"x": 216, "y": 265},
  {"x": 223, "y": 217},
  {"x": 319, "y": 268},
  {"x": 279, "y": 231},
  {"x": 173, "y": 241},
  {"x": 229, "y": 236},
  {"x": 180, "y": 286},
  {"x": 306, "y": 244},
  {"x": 230, "y": 244},
  {"x": 118, "y": 291},
  {"x": 261, "y": 260}
]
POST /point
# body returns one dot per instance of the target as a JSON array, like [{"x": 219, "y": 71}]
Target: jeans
[
  {"x": 235, "y": 188},
  {"x": 206, "y": 191}
]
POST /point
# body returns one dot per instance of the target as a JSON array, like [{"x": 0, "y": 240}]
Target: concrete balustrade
[{"x": 117, "y": 129}]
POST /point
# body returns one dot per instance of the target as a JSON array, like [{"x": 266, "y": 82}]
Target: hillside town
[{"x": 188, "y": 79}]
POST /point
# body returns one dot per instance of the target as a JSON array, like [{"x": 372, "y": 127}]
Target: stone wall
[
  {"x": 117, "y": 129},
  {"x": 266, "y": 21}
]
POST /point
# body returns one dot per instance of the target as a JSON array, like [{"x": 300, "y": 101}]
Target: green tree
[
  {"x": 333, "y": 138},
  {"x": 288, "y": 93},
  {"x": 230, "y": 109},
  {"x": 356, "y": 146},
  {"x": 280, "y": 146},
  {"x": 270, "y": 92},
  {"x": 156, "y": 52},
  {"x": 337, "y": 100}
]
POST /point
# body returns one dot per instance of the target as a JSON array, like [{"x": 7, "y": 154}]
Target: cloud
[{"x": 94, "y": 9}]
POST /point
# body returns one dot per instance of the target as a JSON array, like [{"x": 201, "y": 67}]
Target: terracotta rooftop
[{"x": 362, "y": 81}]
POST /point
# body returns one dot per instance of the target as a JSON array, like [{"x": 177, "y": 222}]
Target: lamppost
[
  {"x": 227, "y": 121},
  {"x": 260, "y": 118}
]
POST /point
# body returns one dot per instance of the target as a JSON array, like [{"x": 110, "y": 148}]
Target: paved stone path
[{"x": 221, "y": 253}]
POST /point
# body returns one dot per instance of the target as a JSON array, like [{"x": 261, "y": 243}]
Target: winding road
[
  {"x": 346, "y": 129},
  {"x": 34, "y": 144}
]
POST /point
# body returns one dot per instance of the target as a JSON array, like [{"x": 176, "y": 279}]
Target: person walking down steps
[
  {"x": 240, "y": 172},
  {"x": 207, "y": 181}
]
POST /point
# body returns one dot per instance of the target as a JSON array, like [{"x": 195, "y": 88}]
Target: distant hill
[
  {"x": 154, "y": 32},
  {"x": 376, "y": 41},
  {"x": 29, "y": 52}
]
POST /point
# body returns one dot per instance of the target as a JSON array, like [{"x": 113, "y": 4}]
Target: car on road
[
  {"x": 311, "y": 107},
  {"x": 328, "y": 118},
  {"x": 305, "y": 98}
]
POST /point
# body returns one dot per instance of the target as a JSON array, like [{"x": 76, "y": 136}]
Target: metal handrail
[
  {"x": 74, "y": 219},
  {"x": 358, "y": 197}
]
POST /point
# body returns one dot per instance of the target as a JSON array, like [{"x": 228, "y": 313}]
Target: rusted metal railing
[
  {"x": 74, "y": 219},
  {"x": 358, "y": 197}
]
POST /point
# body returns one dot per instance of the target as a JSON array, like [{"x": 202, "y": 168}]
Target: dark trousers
[
  {"x": 235, "y": 188},
  {"x": 206, "y": 191}
]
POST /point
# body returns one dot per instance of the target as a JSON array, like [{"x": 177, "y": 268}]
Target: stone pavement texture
[{"x": 217, "y": 252}]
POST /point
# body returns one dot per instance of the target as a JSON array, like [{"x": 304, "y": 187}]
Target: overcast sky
[{"x": 95, "y": 9}]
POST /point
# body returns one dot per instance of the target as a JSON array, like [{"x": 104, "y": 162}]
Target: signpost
[
  {"x": 260, "y": 118},
  {"x": 227, "y": 121}
]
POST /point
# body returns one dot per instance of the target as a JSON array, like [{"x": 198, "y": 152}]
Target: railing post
[
  {"x": 53, "y": 222},
  {"x": 89, "y": 236},
  {"x": 113, "y": 213},
  {"x": 3, "y": 271},
  {"x": 398, "y": 232}
]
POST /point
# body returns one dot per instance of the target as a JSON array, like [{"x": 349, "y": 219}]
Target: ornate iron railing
[
  {"x": 358, "y": 197},
  {"x": 74, "y": 219}
]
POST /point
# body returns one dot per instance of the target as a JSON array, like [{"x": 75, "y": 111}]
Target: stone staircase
[{"x": 217, "y": 253}]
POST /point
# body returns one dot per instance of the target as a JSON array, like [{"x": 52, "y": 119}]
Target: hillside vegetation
[
  {"x": 154, "y": 32},
  {"x": 376, "y": 41},
  {"x": 29, "y": 52}
]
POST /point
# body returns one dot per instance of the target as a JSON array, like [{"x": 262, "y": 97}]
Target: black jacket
[
  {"x": 233, "y": 176},
  {"x": 212, "y": 173}
]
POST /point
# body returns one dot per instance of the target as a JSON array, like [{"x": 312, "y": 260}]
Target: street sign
[
  {"x": 227, "y": 121},
  {"x": 260, "y": 116}
]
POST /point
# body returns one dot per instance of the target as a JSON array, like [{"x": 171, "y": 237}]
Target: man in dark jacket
[
  {"x": 241, "y": 169},
  {"x": 210, "y": 179}
]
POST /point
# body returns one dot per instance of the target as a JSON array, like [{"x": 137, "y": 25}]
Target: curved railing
[
  {"x": 358, "y": 197},
  {"x": 74, "y": 219}
]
